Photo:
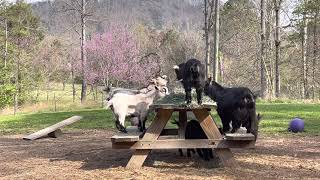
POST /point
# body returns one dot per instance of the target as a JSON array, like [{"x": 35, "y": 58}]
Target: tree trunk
[
  {"x": 16, "y": 96},
  {"x": 263, "y": 84},
  {"x": 277, "y": 4},
  {"x": 83, "y": 52},
  {"x": 6, "y": 43},
  {"x": 221, "y": 69},
  {"x": 216, "y": 40},
  {"x": 304, "y": 57},
  {"x": 314, "y": 55},
  {"x": 73, "y": 84},
  {"x": 207, "y": 32}
]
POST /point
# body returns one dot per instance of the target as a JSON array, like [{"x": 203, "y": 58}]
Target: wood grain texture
[
  {"x": 152, "y": 134},
  {"x": 184, "y": 107},
  {"x": 240, "y": 136},
  {"x": 46, "y": 131},
  {"x": 182, "y": 124},
  {"x": 184, "y": 144},
  {"x": 207, "y": 123}
]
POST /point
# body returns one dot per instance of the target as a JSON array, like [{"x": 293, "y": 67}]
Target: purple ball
[{"x": 296, "y": 125}]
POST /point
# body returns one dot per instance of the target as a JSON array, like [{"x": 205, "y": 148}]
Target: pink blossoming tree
[{"x": 115, "y": 55}]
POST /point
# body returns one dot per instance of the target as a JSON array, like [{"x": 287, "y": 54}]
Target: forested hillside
[{"x": 269, "y": 46}]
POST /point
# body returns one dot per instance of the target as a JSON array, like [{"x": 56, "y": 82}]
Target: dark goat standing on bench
[
  {"x": 194, "y": 131},
  {"x": 236, "y": 105},
  {"x": 191, "y": 74}
]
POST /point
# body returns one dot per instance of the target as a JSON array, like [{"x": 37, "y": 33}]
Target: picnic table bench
[{"x": 156, "y": 137}]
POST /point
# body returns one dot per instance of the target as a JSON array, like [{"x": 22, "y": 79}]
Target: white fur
[
  {"x": 176, "y": 67},
  {"x": 138, "y": 104}
]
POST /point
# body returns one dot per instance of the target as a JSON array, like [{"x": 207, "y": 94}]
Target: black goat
[
  {"x": 194, "y": 131},
  {"x": 236, "y": 105},
  {"x": 191, "y": 74}
]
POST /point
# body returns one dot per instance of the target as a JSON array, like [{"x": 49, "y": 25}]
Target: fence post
[
  {"x": 102, "y": 99},
  {"x": 55, "y": 102}
]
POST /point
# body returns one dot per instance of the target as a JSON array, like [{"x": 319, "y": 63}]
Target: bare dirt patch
[{"x": 88, "y": 155}]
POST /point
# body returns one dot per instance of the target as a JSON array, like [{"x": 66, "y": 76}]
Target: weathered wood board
[{"x": 50, "y": 129}]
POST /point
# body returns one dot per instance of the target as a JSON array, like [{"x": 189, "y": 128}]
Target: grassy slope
[{"x": 276, "y": 117}]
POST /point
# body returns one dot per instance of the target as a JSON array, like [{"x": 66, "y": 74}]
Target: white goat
[
  {"x": 133, "y": 105},
  {"x": 160, "y": 81}
]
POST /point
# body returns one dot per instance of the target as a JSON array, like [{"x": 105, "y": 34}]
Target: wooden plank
[
  {"x": 182, "y": 124},
  {"x": 117, "y": 138},
  {"x": 184, "y": 144},
  {"x": 152, "y": 134},
  {"x": 207, "y": 123},
  {"x": 212, "y": 132},
  {"x": 184, "y": 107},
  {"x": 240, "y": 136},
  {"x": 157, "y": 124},
  {"x": 46, "y": 131},
  {"x": 138, "y": 158}
]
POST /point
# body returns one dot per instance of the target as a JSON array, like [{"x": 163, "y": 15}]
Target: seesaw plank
[{"x": 52, "y": 128}]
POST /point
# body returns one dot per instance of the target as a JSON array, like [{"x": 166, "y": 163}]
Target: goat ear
[
  {"x": 176, "y": 67},
  {"x": 153, "y": 81},
  {"x": 164, "y": 77}
]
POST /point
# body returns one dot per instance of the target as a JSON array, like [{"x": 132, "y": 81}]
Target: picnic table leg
[
  {"x": 182, "y": 124},
  {"x": 152, "y": 134},
  {"x": 211, "y": 130}
]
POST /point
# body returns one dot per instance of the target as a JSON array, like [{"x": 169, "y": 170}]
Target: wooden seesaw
[
  {"x": 54, "y": 130},
  {"x": 156, "y": 137}
]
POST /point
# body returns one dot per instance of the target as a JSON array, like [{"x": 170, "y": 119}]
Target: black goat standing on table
[
  {"x": 191, "y": 74},
  {"x": 195, "y": 131},
  {"x": 236, "y": 105}
]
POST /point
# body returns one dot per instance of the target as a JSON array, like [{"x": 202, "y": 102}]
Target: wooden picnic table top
[
  {"x": 176, "y": 107},
  {"x": 155, "y": 138}
]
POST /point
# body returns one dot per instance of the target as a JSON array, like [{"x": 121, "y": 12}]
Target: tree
[
  {"x": 79, "y": 8},
  {"x": 208, "y": 25},
  {"x": 304, "y": 53},
  {"x": 114, "y": 55},
  {"x": 263, "y": 83},
  {"x": 216, "y": 40},
  {"x": 277, "y": 5},
  {"x": 24, "y": 34}
]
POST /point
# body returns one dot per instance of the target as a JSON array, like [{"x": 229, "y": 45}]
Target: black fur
[
  {"x": 194, "y": 131},
  {"x": 192, "y": 75},
  {"x": 236, "y": 105}
]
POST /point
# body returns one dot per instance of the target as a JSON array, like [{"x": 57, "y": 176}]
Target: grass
[
  {"x": 276, "y": 114},
  {"x": 275, "y": 119}
]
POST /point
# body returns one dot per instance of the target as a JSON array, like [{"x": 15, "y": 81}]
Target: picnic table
[{"x": 157, "y": 137}]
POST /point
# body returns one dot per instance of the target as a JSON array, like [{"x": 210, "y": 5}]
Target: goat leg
[
  {"x": 235, "y": 125},
  {"x": 206, "y": 155},
  {"x": 188, "y": 95},
  {"x": 199, "y": 95},
  {"x": 200, "y": 153},
  {"x": 181, "y": 152}
]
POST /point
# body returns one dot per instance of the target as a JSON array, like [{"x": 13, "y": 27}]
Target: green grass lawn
[{"x": 275, "y": 119}]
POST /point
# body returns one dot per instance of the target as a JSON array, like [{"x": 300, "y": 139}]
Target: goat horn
[{"x": 175, "y": 67}]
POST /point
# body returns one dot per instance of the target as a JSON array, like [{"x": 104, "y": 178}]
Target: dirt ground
[{"x": 88, "y": 155}]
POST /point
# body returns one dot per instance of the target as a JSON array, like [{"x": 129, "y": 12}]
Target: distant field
[{"x": 275, "y": 119}]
